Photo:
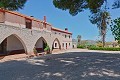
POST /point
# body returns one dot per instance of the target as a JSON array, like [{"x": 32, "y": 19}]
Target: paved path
[{"x": 69, "y": 66}]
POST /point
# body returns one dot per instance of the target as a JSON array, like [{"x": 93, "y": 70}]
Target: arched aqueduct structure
[{"x": 20, "y": 34}]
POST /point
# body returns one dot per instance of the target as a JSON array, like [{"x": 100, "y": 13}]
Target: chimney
[
  {"x": 31, "y": 16},
  {"x": 44, "y": 18},
  {"x": 66, "y": 29}
]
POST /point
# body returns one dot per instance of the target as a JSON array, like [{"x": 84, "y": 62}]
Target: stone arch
[
  {"x": 56, "y": 44},
  {"x": 40, "y": 44},
  {"x": 12, "y": 44}
]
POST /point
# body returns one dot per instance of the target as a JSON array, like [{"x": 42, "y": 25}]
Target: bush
[
  {"x": 105, "y": 49},
  {"x": 99, "y": 44},
  {"x": 85, "y": 46},
  {"x": 47, "y": 49},
  {"x": 81, "y": 46},
  {"x": 90, "y": 46}
]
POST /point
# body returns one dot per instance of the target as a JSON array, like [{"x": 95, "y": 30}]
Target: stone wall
[{"x": 29, "y": 37}]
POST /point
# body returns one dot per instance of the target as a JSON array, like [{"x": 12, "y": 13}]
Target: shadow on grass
[{"x": 68, "y": 66}]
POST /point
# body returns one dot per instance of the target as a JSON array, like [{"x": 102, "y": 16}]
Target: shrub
[
  {"x": 47, "y": 49},
  {"x": 81, "y": 46},
  {"x": 85, "y": 46},
  {"x": 105, "y": 49},
  {"x": 90, "y": 46},
  {"x": 99, "y": 44}
]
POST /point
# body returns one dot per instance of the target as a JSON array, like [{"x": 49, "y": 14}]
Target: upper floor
[{"x": 29, "y": 22}]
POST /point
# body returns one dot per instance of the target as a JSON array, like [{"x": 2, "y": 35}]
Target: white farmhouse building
[{"x": 20, "y": 34}]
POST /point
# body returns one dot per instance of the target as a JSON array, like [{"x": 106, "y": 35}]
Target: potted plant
[{"x": 47, "y": 49}]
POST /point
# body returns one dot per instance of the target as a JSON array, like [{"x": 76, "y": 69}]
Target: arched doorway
[
  {"x": 12, "y": 45},
  {"x": 40, "y": 44},
  {"x": 56, "y": 45}
]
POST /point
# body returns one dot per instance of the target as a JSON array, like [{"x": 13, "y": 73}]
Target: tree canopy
[
  {"x": 12, "y": 4},
  {"x": 115, "y": 28},
  {"x": 76, "y": 6},
  {"x": 116, "y": 4}
]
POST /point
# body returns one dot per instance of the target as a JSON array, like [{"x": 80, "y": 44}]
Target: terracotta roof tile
[{"x": 59, "y": 30}]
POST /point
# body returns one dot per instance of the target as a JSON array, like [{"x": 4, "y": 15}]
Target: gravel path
[{"x": 68, "y": 66}]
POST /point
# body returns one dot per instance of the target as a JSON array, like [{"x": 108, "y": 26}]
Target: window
[
  {"x": 66, "y": 45},
  {"x": 55, "y": 44},
  {"x": 2, "y": 17},
  {"x": 28, "y": 23},
  {"x": 73, "y": 46},
  {"x": 69, "y": 36},
  {"x": 63, "y": 44},
  {"x": 65, "y": 36}
]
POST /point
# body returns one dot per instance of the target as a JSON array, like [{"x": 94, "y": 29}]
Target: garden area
[{"x": 98, "y": 46}]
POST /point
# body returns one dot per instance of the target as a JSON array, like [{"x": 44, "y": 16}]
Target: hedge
[
  {"x": 104, "y": 49},
  {"x": 81, "y": 46}
]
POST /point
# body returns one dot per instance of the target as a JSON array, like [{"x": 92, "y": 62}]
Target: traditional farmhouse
[{"x": 20, "y": 34}]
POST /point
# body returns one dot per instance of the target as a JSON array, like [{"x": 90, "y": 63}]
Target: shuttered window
[{"x": 28, "y": 23}]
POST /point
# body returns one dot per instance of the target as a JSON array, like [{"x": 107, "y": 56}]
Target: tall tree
[
  {"x": 98, "y": 8},
  {"x": 78, "y": 39},
  {"x": 115, "y": 28},
  {"x": 101, "y": 19},
  {"x": 12, "y": 4}
]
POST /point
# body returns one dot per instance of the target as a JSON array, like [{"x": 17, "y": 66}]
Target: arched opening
[
  {"x": 40, "y": 45},
  {"x": 12, "y": 45},
  {"x": 56, "y": 45}
]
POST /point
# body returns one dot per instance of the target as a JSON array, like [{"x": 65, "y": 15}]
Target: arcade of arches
[{"x": 14, "y": 45}]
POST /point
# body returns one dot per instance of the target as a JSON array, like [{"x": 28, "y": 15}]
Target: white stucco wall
[
  {"x": 74, "y": 45},
  {"x": 63, "y": 39},
  {"x": 67, "y": 46}
]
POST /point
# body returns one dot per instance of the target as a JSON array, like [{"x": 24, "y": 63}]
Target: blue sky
[{"x": 78, "y": 25}]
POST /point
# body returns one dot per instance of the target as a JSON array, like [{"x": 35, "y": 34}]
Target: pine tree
[{"x": 12, "y": 5}]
